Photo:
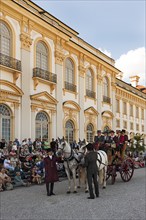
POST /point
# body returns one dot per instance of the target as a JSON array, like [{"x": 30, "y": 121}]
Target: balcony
[
  {"x": 44, "y": 74},
  {"x": 70, "y": 86},
  {"x": 90, "y": 93},
  {"x": 10, "y": 62},
  {"x": 106, "y": 99},
  {"x": 12, "y": 65}
]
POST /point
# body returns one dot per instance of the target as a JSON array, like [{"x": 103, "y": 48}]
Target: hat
[
  {"x": 112, "y": 131},
  {"x": 89, "y": 147},
  {"x": 49, "y": 150},
  {"x": 105, "y": 132},
  {"x": 123, "y": 130},
  {"x": 98, "y": 131}
]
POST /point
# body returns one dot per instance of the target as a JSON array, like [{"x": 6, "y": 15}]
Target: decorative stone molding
[
  {"x": 59, "y": 55},
  {"x": 34, "y": 108},
  {"x": 15, "y": 77},
  {"x": 35, "y": 83},
  {"x": 113, "y": 84},
  {"x": 82, "y": 70},
  {"x": 81, "y": 67},
  {"x": 16, "y": 105},
  {"x": 26, "y": 41}
]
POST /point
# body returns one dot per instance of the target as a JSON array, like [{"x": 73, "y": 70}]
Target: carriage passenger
[
  {"x": 111, "y": 150},
  {"x": 98, "y": 140},
  {"x": 119, "y": 140},
  {"x": 124, "y": 144},
  {"x": 106, "y": 142}
]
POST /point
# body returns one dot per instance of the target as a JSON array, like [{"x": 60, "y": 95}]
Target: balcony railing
[
  {"x": 44, "y": 74},
  {"x": 10, "y": 62},
  {"x": 90, "y": 93},
  {"x": 70, "y": 86},
  {"x": 106, "y": 99}
]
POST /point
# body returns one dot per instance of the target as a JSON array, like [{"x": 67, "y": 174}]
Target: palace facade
[{"x": 54, "y": 84}]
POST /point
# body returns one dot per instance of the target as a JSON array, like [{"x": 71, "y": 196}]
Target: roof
[{"x": 141, "y": 88}]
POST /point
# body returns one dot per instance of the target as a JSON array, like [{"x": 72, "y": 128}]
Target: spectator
[
  {"x": 18, "y": 180},
  {"x": 53, "y": 145},
  {"x": 30, "y": 145},
  {"x": 2, "y": 143},
  {"x": 36, "y": 178},
  {"x": 5, "y": 180},
  {"x": 7, "y": 164}
]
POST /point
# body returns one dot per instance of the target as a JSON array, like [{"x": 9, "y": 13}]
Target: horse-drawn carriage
[{"x": 124, "y": 166}]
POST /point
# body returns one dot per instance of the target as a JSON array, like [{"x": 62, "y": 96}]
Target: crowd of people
[{"x": 22, "y": 164}]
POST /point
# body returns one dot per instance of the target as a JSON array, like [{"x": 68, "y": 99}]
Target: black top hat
[
  {"x": 98, "y": 131},
  {"x": 49, "y": 150},
  {"x": 112, "y": 131},
  {"x": 89, "y": 147},
  {"x": 105, "y": 132}
]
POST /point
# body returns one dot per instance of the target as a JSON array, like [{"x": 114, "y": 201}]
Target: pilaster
[{"x": 81, "y": 80}]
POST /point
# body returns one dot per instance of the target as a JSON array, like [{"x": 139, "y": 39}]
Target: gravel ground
[{"x": 121, "y": 201}]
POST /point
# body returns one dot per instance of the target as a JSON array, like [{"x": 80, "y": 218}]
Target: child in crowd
[{"x": 36, "y": 178}]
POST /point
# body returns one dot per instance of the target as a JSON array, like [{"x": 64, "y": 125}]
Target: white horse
[
  {"x": 102, "y": 163},
  {"x": 70, "y": 163}
]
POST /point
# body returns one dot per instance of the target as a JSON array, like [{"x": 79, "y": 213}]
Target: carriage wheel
[
  {"x": 127, "y": 170},
  {"x": 109, "y": 171}
]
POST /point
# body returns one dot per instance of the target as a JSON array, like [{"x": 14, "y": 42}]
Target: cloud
[
  {"x": 133, "y": 63},
  {"x": 105, "y": 52}
]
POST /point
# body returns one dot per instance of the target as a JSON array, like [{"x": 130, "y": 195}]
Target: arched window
[
  {"x": 69, "y": 131},
  {"x": 41, "y": 123},
  {"x": 5, "y": 39},
  {"x": 41, "y": 56},
  {"x": 89, "y": 80},
  {"x": 69, "y": 70},
  {"x": 5, "y": 122},
  {"x": 69, "y": 75},
  {"x": 105, "y": 87},
  {"x": 89, "y": 133}
]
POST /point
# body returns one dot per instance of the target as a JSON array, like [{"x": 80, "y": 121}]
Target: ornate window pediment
[
  {"x": 44, "y": 97},
  {"x": 91, "y": 110},
  {"x": 72, "y": 105},
  {"x": 10, "y": 88}
]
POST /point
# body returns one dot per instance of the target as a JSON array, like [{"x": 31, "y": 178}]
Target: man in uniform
[
  {"x": 51, "y": 173},
  {"x": 92, "y": 170}
]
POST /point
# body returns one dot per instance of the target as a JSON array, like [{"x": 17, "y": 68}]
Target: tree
[{"x": 137, "y": 143}]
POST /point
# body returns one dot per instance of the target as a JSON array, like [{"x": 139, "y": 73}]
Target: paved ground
[{"x": 122, "y": 201}]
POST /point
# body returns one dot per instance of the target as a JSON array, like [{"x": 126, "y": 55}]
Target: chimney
[
  {"x": 134, "y": 80},
  {"x": 120, "y": 75}
]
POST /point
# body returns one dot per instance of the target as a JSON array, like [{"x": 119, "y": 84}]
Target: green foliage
[{"x": 137, "y": 144}]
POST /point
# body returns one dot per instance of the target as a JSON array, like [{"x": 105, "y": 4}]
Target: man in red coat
[{"x": 51, "y": 173}]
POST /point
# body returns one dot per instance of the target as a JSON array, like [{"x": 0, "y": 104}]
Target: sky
[{"x": 115, "y": 27}]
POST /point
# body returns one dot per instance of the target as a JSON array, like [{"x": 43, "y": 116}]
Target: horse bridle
[{"x": 71, "y": 155}]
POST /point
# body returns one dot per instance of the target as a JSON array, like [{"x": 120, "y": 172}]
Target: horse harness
[{"x": 100, "y": 160}]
